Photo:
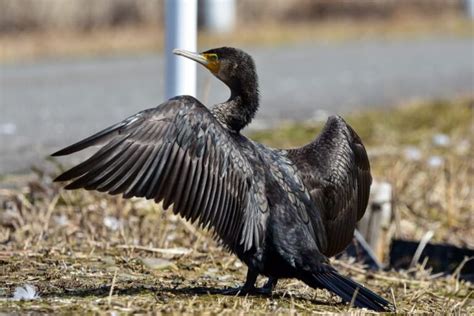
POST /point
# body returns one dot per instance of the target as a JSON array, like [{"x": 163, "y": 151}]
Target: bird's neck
[{"x": 239, "y": 110}]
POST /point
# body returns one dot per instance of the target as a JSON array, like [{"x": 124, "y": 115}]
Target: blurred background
[
  {"x": 401, "y": 72},
  {"x": 68, "y": 68}
]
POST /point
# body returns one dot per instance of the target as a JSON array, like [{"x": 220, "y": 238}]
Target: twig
[
  {"x": 49, "y": 211},
  {"x": 464, "y": 301},
  {"x": 398, "y": 280},
  {"x": 25, "y": 201},
  {"x": 418, "y": 295},
  {"x": 436, "y": 275},
  {"x": 394, "y": 300},
  {"x": 356, "y": 292},
  {"x": 457, "y": 272},
  {"x": 112, "y": 287},
  {"x": 188, "y": 226},
  {"x": 421, "y": 246},
  {"x": 23, "y": 252},
  {"x": 166, "y": 251},
  {"x": 350, "y": 267}
]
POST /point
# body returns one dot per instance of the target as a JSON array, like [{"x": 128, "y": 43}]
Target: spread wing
[
  {"x": 180, "y": 154},
  {"x": 336, "y": 170}
]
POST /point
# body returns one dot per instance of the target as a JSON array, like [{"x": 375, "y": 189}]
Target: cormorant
[{"x": 282, "y": 212}]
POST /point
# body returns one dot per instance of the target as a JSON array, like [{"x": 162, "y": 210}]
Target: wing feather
[
  {"x": 336, "y": 170},
  {"x": 144, "y": 175},
  {"x": 107, "y": 165},
  {"x": 220, "y": 216},
  {"x": 202, "y": 194},
  {"x": 153, "y": 186},
  {"x": 101, "y": 157},
  {"x": 233, "y": 202},
  {"x": 180, "y": 154},
  {"x": 181, "y": 194},
  {"x": 128, "y": 172},
  {"x": 207, "y": 207},
  {"x": 172, "y": 180},
  {"x": 122, "y": 166},
  {"x": 193, "y": 200}
]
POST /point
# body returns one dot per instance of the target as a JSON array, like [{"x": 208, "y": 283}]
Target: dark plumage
[{"x": 282, "y": 212}]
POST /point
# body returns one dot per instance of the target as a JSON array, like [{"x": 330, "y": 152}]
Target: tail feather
[{"x": 345, "y": 288}]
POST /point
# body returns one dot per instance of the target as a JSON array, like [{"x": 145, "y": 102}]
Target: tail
[{"x": 346, "y": 289}]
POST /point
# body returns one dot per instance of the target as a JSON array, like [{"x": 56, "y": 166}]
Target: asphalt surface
[{"x": 45, "y": 106}]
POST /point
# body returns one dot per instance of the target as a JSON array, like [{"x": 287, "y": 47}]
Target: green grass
[{"x": 409, "y": 124}]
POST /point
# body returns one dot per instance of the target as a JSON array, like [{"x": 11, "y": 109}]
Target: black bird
[{"x": 282, "y": 212}]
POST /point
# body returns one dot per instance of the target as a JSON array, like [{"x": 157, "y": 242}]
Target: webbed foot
[
  {"x": 247, "y": 289},
  {"x": 243, "y": 290}
]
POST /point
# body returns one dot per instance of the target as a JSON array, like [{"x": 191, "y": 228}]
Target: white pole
[
  {"x": 218, "y": 15},
  {"x": 181, "y": 31},
  {"x": 470, "y": 8}
]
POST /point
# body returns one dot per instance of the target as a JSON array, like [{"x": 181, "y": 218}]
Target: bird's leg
[
  {"x": 247, "y": 288},
  {"x": 269, "y": 286},
  {"x": 266, "y": 289}
]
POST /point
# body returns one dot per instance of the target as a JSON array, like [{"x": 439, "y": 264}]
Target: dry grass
[
  {"x": 56, "y": 43},
  {"x": 87, "y": 252}
]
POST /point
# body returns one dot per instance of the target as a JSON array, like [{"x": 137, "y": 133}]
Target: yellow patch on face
[{"x": 213, "y": 62}]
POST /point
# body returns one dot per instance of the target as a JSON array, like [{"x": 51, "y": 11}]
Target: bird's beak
[
  {"x": 213, "y": 66},
  {"x": 193, "y": 56}
]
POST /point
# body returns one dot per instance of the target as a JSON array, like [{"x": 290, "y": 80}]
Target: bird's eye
[{"x": 212, "y": 57}]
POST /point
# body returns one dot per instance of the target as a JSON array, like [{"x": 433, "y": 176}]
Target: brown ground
[{"x": 87, "y": 252}]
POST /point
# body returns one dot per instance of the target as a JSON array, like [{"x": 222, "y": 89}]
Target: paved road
[{"x": 47, "y": 105}]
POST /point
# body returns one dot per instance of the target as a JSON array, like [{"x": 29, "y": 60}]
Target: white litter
[
  {"x": 112, "y": 223},
  {"x": 435, "y": 161},
  {"x": 26, "y": 292},
  {"x": 412, "y": 153},
  {"x": 441, "y": 140},
  {"x": 61, "y": 220}
]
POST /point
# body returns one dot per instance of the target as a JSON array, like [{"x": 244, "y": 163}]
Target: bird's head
[{"x": 232, "y": 66}]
